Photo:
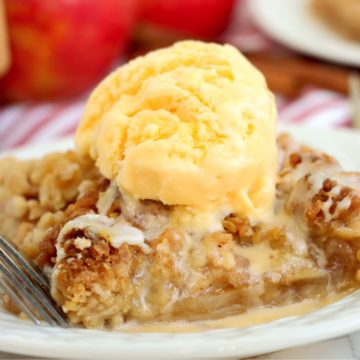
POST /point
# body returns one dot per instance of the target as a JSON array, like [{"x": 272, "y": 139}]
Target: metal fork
[
  {"x": 354, "y": 87},
  {"x": 27, "y": 287}
]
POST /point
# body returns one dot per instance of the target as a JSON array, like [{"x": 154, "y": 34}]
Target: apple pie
[
  {"x": 112, "y": 260},
  {"x": 342, "y": 16}
]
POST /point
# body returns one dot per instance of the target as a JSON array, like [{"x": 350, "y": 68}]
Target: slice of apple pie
[{"x": 112, "y": 259}]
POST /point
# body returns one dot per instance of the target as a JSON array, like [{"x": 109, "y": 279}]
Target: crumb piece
[
  {"x": 82, "y": 243},
  {"x": 16, "y": 207}
]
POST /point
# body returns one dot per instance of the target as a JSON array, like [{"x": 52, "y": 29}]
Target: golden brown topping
[{"x": 294, "y": 159}]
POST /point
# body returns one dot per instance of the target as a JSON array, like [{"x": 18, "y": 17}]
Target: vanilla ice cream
[{"x": 190, "y": 125}]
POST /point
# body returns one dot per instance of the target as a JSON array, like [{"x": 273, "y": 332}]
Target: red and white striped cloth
[{"x": 26, "y": 123}]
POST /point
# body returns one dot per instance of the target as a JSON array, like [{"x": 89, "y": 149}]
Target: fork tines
[{"x": 27, "y": 287}]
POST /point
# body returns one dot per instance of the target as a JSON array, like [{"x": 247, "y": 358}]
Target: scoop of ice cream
[{"x": 192, "y": 125}]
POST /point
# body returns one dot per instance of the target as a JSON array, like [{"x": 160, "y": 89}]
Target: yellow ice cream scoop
[{"x": 192, "y": 125}]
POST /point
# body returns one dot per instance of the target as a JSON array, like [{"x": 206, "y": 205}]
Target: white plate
[
  {"x": 334, "y": 320},
  {"x": 292, "y": 23}
]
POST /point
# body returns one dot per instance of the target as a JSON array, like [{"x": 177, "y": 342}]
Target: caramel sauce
[{"x": 251, "y": 318}]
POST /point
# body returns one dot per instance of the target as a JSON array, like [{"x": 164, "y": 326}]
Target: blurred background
[{"x": 52, "y": 53}]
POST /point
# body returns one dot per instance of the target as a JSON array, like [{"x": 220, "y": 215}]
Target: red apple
[
  {"x": 204, "y": 19},
  {"x": 60, "y": 48}
]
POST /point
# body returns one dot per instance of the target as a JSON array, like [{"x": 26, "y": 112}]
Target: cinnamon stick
[
  {"x": 301, "y": 71},
  {"x": 280, "y": 82}
]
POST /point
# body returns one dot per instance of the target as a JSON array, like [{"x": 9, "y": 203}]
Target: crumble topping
[{"x": 114, "y": 260}]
